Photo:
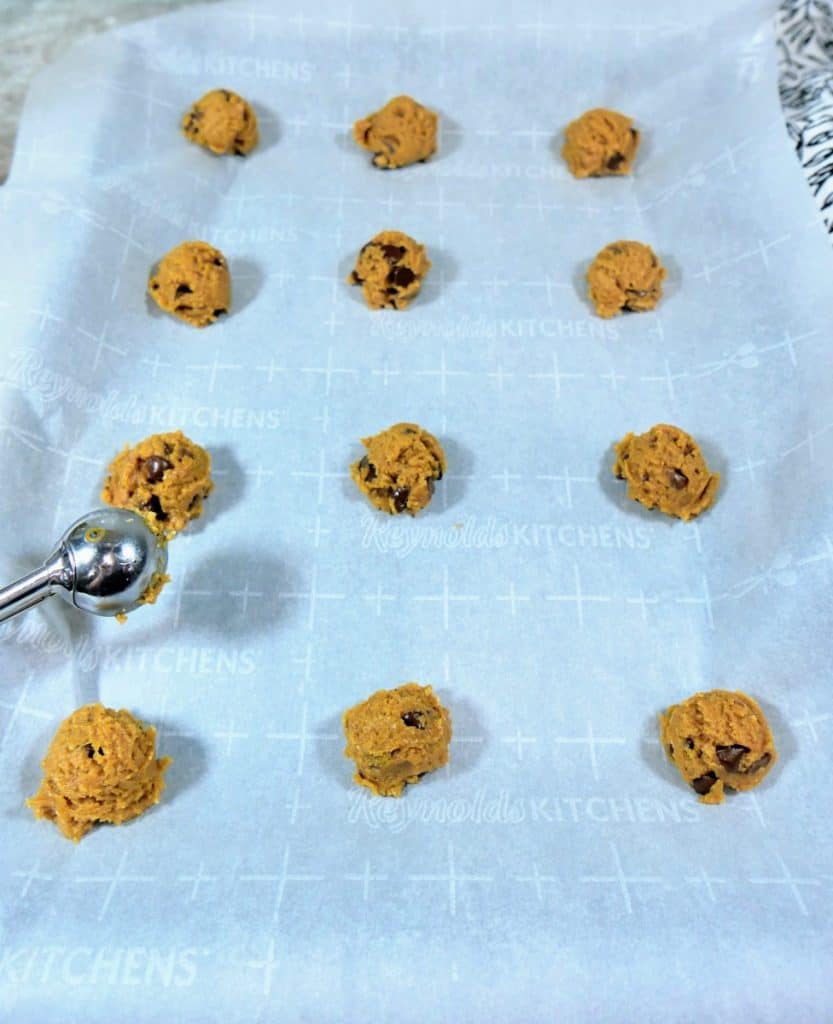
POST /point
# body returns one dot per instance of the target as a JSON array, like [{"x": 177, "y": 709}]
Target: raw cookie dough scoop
[{"x": 107, "y": 563}]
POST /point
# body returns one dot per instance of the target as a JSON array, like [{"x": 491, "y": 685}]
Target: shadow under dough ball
[
  {"x": 165, "y": 477},
  {"x": 599, "y": 143},
  {"x": 665, "y": 469},
  {"x": 399, "y": 470},
  {"x": 192, "y": 283},
  {"x": 717, "y": 740},
  {"x": 396, "y": 736},
  {"x": 402, "y": 132},
  {"x": 223, "y": 122}
]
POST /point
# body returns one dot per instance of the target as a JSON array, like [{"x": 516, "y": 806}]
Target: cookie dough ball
[
  {"x": 718, "y": 739},
  {"x": 390, "y": 268},
  {"x": 625, "y": 276},
  {"x": 223, "y": 122},
  {"x": 400, "y": 468},
  {"x": 192, "y": 283},
  {"x": 100, "y": 767},
  {"x": 166, "y": 478},
  {"x": 665, "y": 469},
  {"x": 396, "y": 736},
  {"x": 600, "y": 142},
  {"x": 402, "y": 132}
]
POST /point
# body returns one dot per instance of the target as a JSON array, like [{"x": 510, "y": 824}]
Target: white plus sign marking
[
  {"x": 196, "y": 881},
  {"x": 705, "y": 601},
  {"x": 793, "y": 884},
  {"x": 366, "y": 877},
  {"x": 642, "y": 601},
  {"x": 378, "y": 598},
  {"x": 452, "y": 878},
  {"x": 348, "y": 25},
  {"x": 318, "y": 531},
  {"x": 213, "y": 368},
  {"x": 155, "y": 364},
  {"x": 789, "y": 342},
  {"x": 708, "y": 882},
  {"x": 117, "y": 878},
  {"x": 556, "y": 376},
  {"x": 754, "y": 807},
  {"x": 45, "y": 316},
  {"x": 181, "y": 592},
  {"x": 539, "y": 27},
  {"x": 443, "y": 373},
  {"x": 749, "y": 466},
  {"x": 26, "y": 437},
  {"x": 259, "y": 474},
  {"x": 32, "y": 875},
  {"x": 621, "y": 879},
  {"x": 129, "y": 241},
  {"x": 241, "y": 199},
  {"x": 578, "y": 597},
  {"x": 500, "y": 375},
  {"x": 823, "y": 556},
  {"x": 810, "y": 721},
  {"x": 296, "y": 123},
  {"x": 20, "y": 707},
  {"x": 267, "y": 965},
  {"x": 613, "y": 377},
  {"x": 299, "y": 21},
  {"x": 313, "y": 596},
  {"x": 345, "y": 76},
  {"x": 514, "y": 599},
  {"x": 301, "y": 737},
  {"x": 332, "y": 322},
  {"x": 505, "y": 477},
  {"x": 668, "y": 378},
  {"x": 100, "y": 343},
  {"x": 245, "y": 594},
  {"x": 281, "y": 879},
  {"x": 445, "y": 598},
  {"x": 495, "y": 283},
  {"x": 440, "y": 203},
  {"x": 592, "y": 742},
  {"x": 229, "y": 735},
  {"x": 548, "y": 284},
  {"x": 519, "y": 742},
  {"x": 568, "y": 480},
  {"x": 320, "y": 476},
  {"x": 295, "y": 805},
  {"x": 538, "y": 881},
  {"x": 328, "y": 371},
  {"x": 534, "y": 134},
  {"x": 270, "y": 369},
  {"x": 490, "y": 206},
  {"x": 385, "y": 373}
]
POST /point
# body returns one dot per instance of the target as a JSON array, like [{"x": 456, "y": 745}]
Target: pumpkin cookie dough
[
  {"x": 600, "y": 142},
  {"x": 402, "y": 132},
  {"x": 192, "y": 283},
  {"x": 400, "y": 468},
  {"x": 390, "y": 268},
  {"x": 166, "y": 478},
  {"x": 625, "y": 276},
  {"x": 718, "y": 739},
  {"x": 100, "y": 767},
  {"x": 223, "y": 122},
  {"x": 396, "y": 736},
  {"x": 665, "y": 469}
]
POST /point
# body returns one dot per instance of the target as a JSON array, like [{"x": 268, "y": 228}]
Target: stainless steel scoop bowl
[{"x": 103, "y": 564}]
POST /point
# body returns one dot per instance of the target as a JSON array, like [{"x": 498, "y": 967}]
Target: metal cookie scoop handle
[{"x": 103, "y": 564}]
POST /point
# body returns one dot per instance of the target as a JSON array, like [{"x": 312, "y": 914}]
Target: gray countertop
[{"x": 35, "y": 32}]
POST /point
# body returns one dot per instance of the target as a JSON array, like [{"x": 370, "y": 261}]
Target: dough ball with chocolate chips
[
  {"x": 718, "y": 739},
  {"x": 101, "y": 766},
  {"x": 166, "y": 478},
  {"x": 625, "y": 277},
  {"x": 192, "y": 283},
  {"x": 600, "y": 142},
  {"x": 400, "y": 468},
  {"x": 223, "y": 122},
  {"x": 665, "y": 469},
  {"x": 402, "y": 132},
  {"x": 390, "y": 268},
  {"x": 396, "y": 736}
]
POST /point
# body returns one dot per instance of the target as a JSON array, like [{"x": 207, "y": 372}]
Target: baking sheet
[{"x": 558, "y": 869}]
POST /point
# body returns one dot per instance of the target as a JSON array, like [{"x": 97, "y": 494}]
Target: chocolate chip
[
  {"x": 677, "y": 479},
  {"x": 756, "y": 766},
  {"x": 354, "y": 278},
  {"x": 671, "y": 749},
  {"x": 90, "y": 750},
  {"x": 183, "y": 308},
  {"x": 414, "y": 719},
  {"x": 218, "y": 261},
  {"x": 245, "y": 115},
  {"x": 400, "y": 498},
  {"x": 101, "y": 751},
  {"x": 183, "y": 289},
  {"x": 689, "y": 743},
  {"x": 393, "y": 253},
  {"x": 219, "y": 312},
  {"x": 615, "y": 161},
  {"x": 154, "y": 285},
  {"x": 729, "y": 756},
  {"x": 226, "y": 95},
  {"x": 154, "y": 505},
  {"x": 704, "y": 783},
  {"x": 155, "y": 468},
  {"x": 401, "y": 277},
  {"x": 238, "y": 151},
  {"x": 368, "y": 467}
]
